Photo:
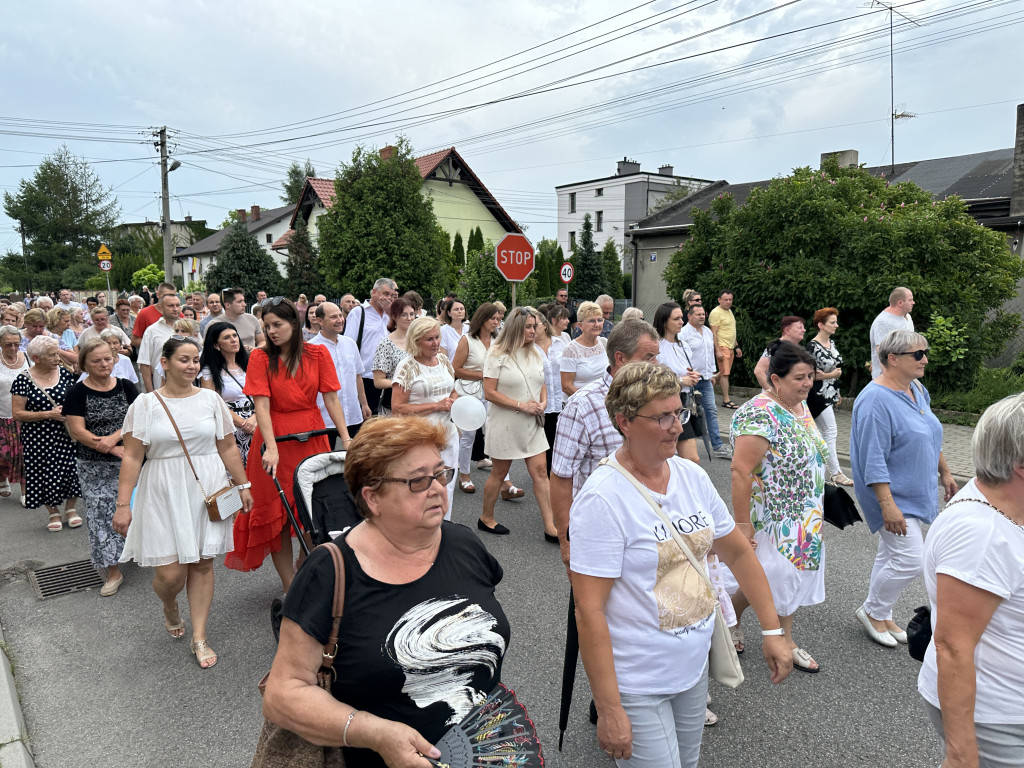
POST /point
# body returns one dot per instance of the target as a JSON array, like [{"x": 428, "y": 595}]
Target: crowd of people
[{"x": 164, "y": 397}]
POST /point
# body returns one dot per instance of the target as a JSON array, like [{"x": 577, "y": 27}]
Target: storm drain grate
[{"x": 64, "y": 579}]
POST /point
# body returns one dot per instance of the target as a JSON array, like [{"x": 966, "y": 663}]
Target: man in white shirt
[
  {"x": 349, "y": 366},
  {"x": 65, "y": 302},
  {"x": 260, "y": 296},
  {"x": 701, "y": 343},
  {"x": 366, "y": 325},
  {"x": 348, "y": 303},
  {"x": 895, "y": 317},
  {"x": 100, "y": 323},
  {"x": 250, "y": 330},
  {"x": 151, "y": 348},
  {"x": 319, "y": 299}
]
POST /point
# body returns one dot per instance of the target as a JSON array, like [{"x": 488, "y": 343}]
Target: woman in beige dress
[{"x": 514, "y": 386}]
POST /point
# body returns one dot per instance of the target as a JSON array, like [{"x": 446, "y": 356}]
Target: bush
[{"x": 993, "y": 384}]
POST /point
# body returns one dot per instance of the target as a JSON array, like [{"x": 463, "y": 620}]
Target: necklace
[
  {"x": 9, "y": 363},
  {"x": 775, "y": 394},
  {"x": 633, "y": 470},
  {"x": 990, "y": 506}
]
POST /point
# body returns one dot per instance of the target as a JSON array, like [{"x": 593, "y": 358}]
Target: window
[
  {"x": 572, "y": 202},
  {"x": 600, "y": 221},
  {"x": 270, "y": 239},
  {"x": 572, "y": 241},
  {"x": 599, "y": 192}
]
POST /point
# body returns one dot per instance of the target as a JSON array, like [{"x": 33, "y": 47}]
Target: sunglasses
[
  {"x": 919, "y": 354},
  {"x": 273, "y": 302},
  {"x": 422, "y": 483}
]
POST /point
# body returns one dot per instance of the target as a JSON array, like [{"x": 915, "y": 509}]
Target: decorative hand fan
[{"x": 497, "y": 733}]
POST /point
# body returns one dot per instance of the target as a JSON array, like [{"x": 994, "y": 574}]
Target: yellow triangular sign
[{"x": 103, "y": 252}]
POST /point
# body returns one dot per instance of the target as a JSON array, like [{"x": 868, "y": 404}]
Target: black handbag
[
  {"x": 919, "y": 632},
  {"x": 815, "y": 402},
  {"x": 838, "y": 508}
]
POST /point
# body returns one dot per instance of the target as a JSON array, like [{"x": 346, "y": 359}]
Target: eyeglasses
[
  {"x": 422, "y": 483},
  {"x": 919, "y": 354},
  {"x": 272, "y": 302},
  {"x": 666, "y": 421}
]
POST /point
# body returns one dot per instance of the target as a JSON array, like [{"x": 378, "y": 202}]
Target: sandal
[
  {"x": 512, "y": 493},
  {"x": 840, "y": 479},
  {"x": 737, "y": 639},
  {"x": 483, "y": 464},
  {"x": 729, "y": 404},
  {"x": 55, "y": 523},
  {"x": 203, "y": 654},
  {"x": 710, "y": 718},
  {"x": 467, "y": 486},
  {"x": 173, "y": 623},
  {"x": 802, "y": 660},
  {"x": 5, "y": 488},
  {"x": 74, "y": 521}
]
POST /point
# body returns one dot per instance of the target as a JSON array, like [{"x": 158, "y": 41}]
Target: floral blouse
[
  {"x": 826, "y": 361},
  {"x": 789, "y": 482}
]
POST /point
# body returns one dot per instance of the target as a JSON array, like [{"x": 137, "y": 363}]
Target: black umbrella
[
  {"x": 572, "y": 654},
  {"x": 703, "y": 422}
]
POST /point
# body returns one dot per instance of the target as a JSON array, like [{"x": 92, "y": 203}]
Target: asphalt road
[{"x": 102, "y": 684}]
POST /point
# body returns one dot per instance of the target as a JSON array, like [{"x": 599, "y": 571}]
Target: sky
[{"x": 532, "y": 94}]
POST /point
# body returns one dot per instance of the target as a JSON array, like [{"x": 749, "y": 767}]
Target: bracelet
[
  {"x": 885, "y": 498},
  {"x": 344, "y": 733},
  {"x": 517, "y": 406},
  {"x": 243, "y": 486},
  {"x": 123, "y": 504},
  {"x": 768, "y": 632}
]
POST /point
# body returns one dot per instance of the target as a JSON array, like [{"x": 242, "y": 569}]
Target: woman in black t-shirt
[
  {"x": 422, "y": 636},
  {"x": 94, "y": 410}
]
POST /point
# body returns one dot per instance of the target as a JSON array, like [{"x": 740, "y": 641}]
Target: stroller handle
[{"x": 302, "y": 437}]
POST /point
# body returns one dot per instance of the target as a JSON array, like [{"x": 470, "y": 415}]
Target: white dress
[
  {"x": 169, "y": 519},
  {"x": 432, "y": 384}
]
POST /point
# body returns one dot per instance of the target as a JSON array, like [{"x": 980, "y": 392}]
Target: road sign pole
[
  {"x": 513, "y": 295},
  {"x": 108, "y": 286}
]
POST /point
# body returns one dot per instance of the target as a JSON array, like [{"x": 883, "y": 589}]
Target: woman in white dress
[
  {"x": 424, "y": 385},
  {"x": 469, "y": 377},
  {"x": 668, "y": 322},
  {"x": 585, "y": 359},
  {"x": 452, "y": 317},
  {"x": 223, "y": 363},
  {"x": 551, "y": 346},
  {"x": 169, "y": 528},
  {"x": 514, "y": 386}
]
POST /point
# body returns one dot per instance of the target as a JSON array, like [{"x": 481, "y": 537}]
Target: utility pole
[
  {"x": 165, "y": 224},
  {"x": 24, "y": 254}
]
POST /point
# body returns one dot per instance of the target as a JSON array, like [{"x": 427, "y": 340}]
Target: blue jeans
[
  {"x": 707, "y": 390},
  {"x": 667, "y": 728}
]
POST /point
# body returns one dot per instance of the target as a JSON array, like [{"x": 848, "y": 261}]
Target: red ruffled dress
[{"x": 293, "y": 408}]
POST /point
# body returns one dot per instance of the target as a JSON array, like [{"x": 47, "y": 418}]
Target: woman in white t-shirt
[
  {"x": 585, "y": 359},
  {"x": 668, "y": 322},
  {"x": 645, "y": 615},
  {"x": 973, "y": 671},
  {"x": 424, "y": 385},
  {"x": 452, "y": 318}
]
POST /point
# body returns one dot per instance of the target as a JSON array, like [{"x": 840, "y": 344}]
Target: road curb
[{"x": 14, "y": 752}]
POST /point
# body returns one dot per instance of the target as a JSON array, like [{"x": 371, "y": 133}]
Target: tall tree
[
  {"x": 295, "y": 180},
  {"x": 475, "y": 244},
  {"x": 589, "y": 281},
  {"x": 242, "y": 263},
  {"x": 65, "y": 213},
  {"x": 611, "y": 261},
  {"x": 458, "y": 251},
  {"x": 302, "y": 267},
  {"x": 547, "y": 255},
  {"x": 382, "y": 226}
]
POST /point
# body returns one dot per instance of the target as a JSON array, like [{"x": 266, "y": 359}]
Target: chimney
[
  {"x": 666, "y": 170},
  {"x": 188, "y": 219},
  {"x": 625, "y": 167},
  {"x": 387, "y": 152},
  {"x": 1017, "y": 193},
  {"x": 847, "y": 158},
  {"x": 241, "y": 214},
  {"x": 255, "y": 214}
]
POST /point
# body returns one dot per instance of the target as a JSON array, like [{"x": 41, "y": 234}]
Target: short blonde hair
[
  {"x": 382, "y": 441},
  {"x": 587, "y": 310},
  {"x": 635, "y": 385},
  {"x": 54, "y": 316},
  {"x": 39, "y": 345},
  {"x": 419, "y": 328},
  {"x": 187, "y": 327},
  {"x": 35, "y": 315}
]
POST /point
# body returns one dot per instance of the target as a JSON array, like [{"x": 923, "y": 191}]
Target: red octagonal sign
[{"x": 514, "y": 257}]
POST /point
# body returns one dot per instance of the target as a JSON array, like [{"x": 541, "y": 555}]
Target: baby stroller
[{"x": 324, "y": 507}]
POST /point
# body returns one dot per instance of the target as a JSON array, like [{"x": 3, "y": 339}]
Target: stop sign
[{"x": 514, "y": 257}]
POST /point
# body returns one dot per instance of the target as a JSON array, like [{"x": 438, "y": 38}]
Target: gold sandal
[
  {"x": 173, "y": 623},
  {"x": 203, "y": 653}
]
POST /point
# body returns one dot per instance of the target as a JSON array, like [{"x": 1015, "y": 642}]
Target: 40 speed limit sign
[{"x": 566, "y": 273}]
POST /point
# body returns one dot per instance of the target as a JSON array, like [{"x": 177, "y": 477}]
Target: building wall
[
  {"x": 458, "y": 209},
  {"x": 648, "y": 279}
]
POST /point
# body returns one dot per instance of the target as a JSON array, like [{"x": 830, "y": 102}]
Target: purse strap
[
  {"x": 181, "y": 440},
  {"x": 327, "y": 673},
  {"x": 612, "y": 462},
  {"x": 241, "y": 387}
]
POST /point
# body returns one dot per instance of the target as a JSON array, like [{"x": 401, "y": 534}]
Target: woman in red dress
[{"x": 283, "y": 380}]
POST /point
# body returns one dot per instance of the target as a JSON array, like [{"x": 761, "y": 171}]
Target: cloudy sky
[{"x": 533, "y": 94}]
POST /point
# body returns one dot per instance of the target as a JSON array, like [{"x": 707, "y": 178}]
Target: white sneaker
[{"x": 723, "y": 452}]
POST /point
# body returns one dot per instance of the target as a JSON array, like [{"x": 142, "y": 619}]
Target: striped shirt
[{"x": 585, "y": 433}]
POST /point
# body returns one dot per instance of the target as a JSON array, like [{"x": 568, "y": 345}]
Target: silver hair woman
[
  {"x": 973, "y": 670},
  {"x": 14, "y": 363},
  {"x": 896, "y": 450}
]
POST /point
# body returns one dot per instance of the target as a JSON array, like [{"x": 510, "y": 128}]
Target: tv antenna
[{"x": 901, "y": 113}]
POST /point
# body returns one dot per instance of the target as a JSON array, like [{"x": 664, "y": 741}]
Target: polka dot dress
[{"x": 50, "y": 468}]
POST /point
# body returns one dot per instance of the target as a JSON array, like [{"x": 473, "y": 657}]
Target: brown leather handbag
[{"x": 281, "y": 748}]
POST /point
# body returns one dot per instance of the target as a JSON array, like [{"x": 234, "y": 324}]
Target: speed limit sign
[{"x": 566, "y": 273}]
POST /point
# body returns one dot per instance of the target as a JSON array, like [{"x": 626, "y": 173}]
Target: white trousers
[
  {"x": 826, "y": 421},
  {"x": 667, "y": 728},
  {"x": 897, "y": 563}
]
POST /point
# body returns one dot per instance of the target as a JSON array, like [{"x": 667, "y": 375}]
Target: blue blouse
[{"x": 897, "y": 441}]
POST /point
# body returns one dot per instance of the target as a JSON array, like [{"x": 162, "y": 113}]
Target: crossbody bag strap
[
  {"x": 522, "y": 373},
  {"x": 327, "y": 674},
  {"x": 612, "y": 462},
  {"x": 241, "y": 387},
  {"x": 362, "y": 324},
  {"x": 180, "y": 440}
]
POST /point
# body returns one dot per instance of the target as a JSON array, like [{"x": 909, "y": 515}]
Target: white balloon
[{"x": 468, "y": 413}]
